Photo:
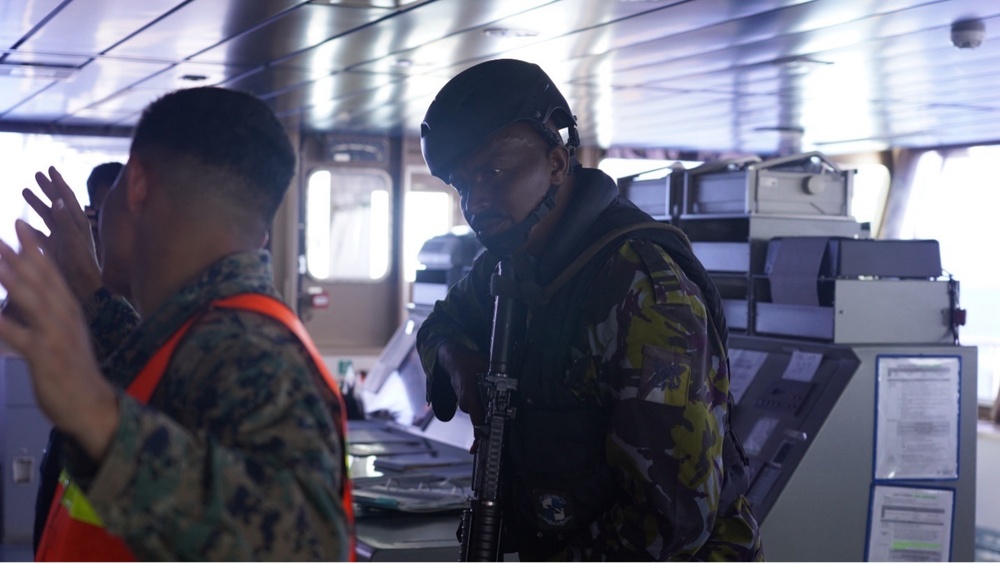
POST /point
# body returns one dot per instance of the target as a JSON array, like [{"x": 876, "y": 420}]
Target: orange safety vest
[{"x": 74, "y": 532}]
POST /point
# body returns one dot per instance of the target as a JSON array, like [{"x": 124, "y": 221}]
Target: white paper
[
  {"x": 743, "y": 367},
  {"x": 917, "y": 419},
  {"x": 802, "y": 366},
  {"x": 910, "y": 525},
  {"x": 761, "y": 432}
]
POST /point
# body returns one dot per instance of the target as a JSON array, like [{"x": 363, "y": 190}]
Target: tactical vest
[
  {"x": 74, "y": 531},
  {"x": 558, "y": 480}
]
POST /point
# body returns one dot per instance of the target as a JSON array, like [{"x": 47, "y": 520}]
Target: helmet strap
[{"x": 504, "y": 244}]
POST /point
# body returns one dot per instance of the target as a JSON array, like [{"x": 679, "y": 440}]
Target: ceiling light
[
  {"x": 508, "y": 32},
  {"x": 37, "y": 70}
]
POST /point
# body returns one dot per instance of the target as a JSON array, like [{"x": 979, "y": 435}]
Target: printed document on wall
[
  {"x": 910, "y": 524},
  {"x": 916, "y": 434}
]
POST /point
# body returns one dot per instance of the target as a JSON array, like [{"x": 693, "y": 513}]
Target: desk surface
[
  {"x": 399, "y": 537},
  {"x": 388, "y": 535}
]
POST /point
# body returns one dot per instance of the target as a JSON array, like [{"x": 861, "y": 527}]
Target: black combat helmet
[{"x": 484, "y": 99}]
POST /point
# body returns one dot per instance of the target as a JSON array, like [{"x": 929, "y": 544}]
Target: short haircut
[
  {"x": 102, "y": 175},
  {"x": 234, "y": 143}
]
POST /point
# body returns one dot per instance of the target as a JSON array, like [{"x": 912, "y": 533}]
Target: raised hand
[
  {"x": 50, "y": 332},
  {"x": 70, "y": 242}
]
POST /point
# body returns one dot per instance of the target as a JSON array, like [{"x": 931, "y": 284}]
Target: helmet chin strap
[{"x": 504, "y": 244}]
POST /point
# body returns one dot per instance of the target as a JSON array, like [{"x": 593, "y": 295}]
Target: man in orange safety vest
[{"x": 209, "y": 430}]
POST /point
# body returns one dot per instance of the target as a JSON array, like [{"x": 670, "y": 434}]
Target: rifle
[{"x": 483, "y": 520}]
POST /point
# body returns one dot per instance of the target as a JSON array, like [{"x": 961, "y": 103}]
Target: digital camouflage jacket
[
  {"x": 236, "y": 457},
  {"x": 622, "y": 408}
]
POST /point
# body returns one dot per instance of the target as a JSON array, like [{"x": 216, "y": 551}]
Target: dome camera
[{"x": 967, "y": 34}]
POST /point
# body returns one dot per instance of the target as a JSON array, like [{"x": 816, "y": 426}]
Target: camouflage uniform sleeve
[
  {"x": 462, "y": 317},
  {"x": 111, "y": 319},
  {"x": 668, "y": 401},
  {"x": 249, "y": 469}
]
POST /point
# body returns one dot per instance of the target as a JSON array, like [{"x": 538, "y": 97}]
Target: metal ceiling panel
[
  {"x": 831, "y": 98},
  {"x": 20, "y": 17},
  {"x": 909, "y": 117},
  {"x": 696, "y": 113},
  {"x": 692, "y": 119},
  {"x": 888, "y": 66},
  {"x": 329, "y": 91},
  {"x": 121, "y": 109},
  {"x": 826, "y": 96},
  {"x": 198, "y": 25},
  {"x": 95, "y": 82},
  {"x": 887, "y": 33},
  {"x": 696, "y": 74},
  {"x": 661, "y": 38},
  {"x": 596, "y": 27},
  {"x": 124, "y": 107},
  {"x": 305, "y": 26},
  {"x": 929, "y": 51},
  {"x": 656, "y": 25},
  {"x": 361, "y": 113},
  {"x": 189, "y": 75},
  {"x": 90, "y": 27},
  {"x": 406, "y": 30},
  {"x": 387, "y": 4},
  {"x": 726, "y": 46},
  {"x": 780, "y": 83},
  {"x": 14, "y": 90},
  {"x": 46, "y": 59},
  {"x": 270, "y": 81}
]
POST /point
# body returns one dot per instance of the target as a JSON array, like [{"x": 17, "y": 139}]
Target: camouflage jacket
[
  {"x": 236, "y": 457},
  {"x": 643, "y": 358}
]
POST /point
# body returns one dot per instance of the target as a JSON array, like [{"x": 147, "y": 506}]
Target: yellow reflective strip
[
  {"x": 76, "y": 503},
  {"x": 64, "y": 478}
]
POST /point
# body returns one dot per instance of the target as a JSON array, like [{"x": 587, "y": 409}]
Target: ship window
[
  {"x": 347, "y": 225},
  {"x": 954, "y": 200},
  {"x": 870, "y": 189},
  {"x": 428, "y": 214},
  {"x": 430, "y": 208}
]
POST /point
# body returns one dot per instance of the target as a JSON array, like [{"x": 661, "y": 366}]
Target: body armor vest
[{"x": 558, "y": 480}]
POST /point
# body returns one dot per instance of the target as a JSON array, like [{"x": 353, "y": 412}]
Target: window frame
[{"x": 388, "y": 243}]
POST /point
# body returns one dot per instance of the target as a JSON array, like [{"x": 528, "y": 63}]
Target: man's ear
[
  {"x": 559, "y": 161},
  {"x": 137, "y": 187}
]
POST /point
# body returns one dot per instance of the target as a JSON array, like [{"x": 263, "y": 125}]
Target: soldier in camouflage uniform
[
  {"x": 620, "y": 446},
  {"x": 237, "y": 455}
]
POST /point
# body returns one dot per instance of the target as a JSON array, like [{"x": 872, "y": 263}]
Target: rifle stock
[{"x": 482, "y": 522}]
